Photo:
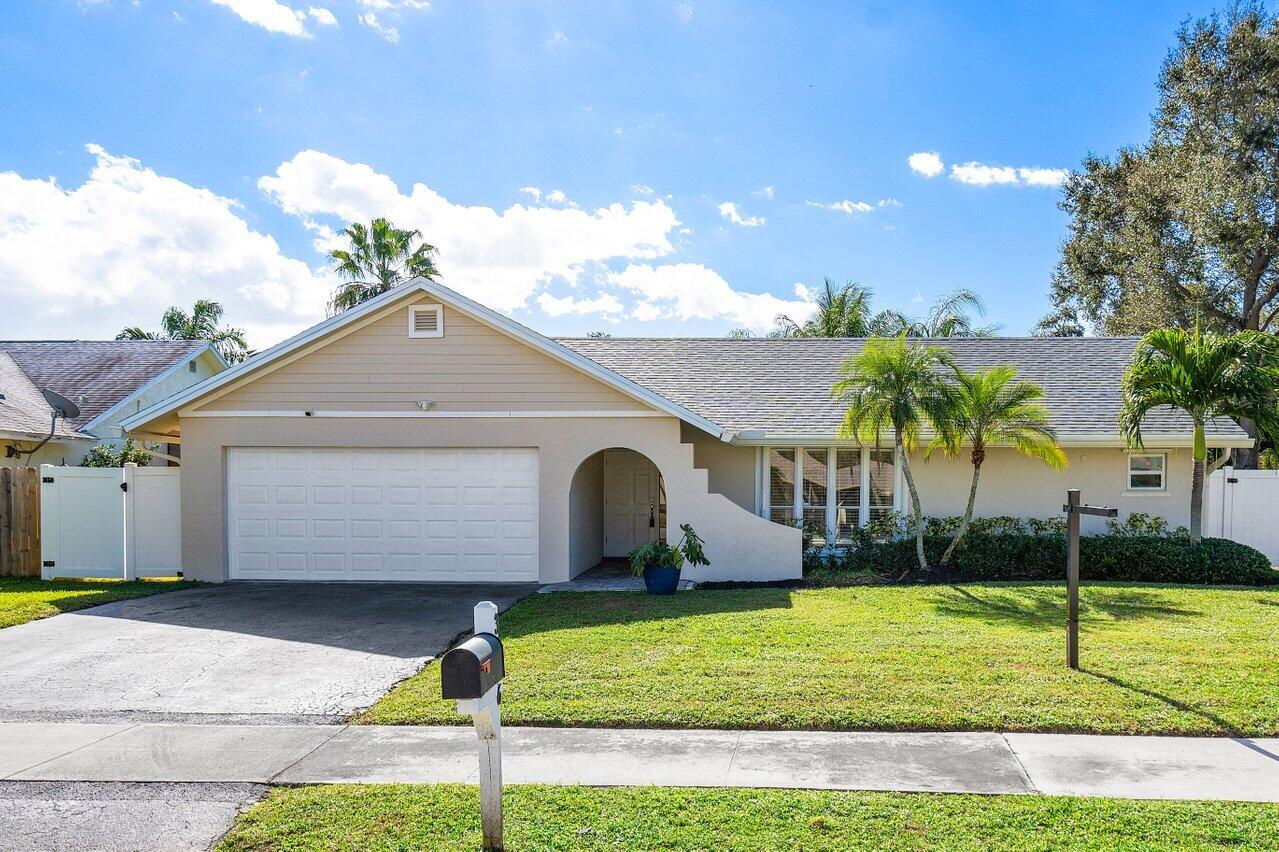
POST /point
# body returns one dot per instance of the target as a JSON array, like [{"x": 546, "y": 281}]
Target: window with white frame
[
  {"x": 1146, "y": 471},
  {"x": 835, "y": 488}
]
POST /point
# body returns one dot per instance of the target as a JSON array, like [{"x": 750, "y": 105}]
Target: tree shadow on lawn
[
  {"x": 1045, "y": 608},
  {"x": 571, "y": 610}
]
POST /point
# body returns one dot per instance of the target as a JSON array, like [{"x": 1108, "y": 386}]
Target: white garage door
[{"x": 439, "y": 515}]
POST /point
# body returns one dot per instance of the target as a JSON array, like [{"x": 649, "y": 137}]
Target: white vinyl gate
[
  {"x": 110, "y": 522},
  {"x": 1243, "y": 505}
]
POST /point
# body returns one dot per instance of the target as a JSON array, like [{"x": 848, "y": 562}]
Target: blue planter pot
[{"x": 661, "y": 580}]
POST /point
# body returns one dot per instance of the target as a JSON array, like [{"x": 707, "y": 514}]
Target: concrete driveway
[{"x": 261, "y": 652}]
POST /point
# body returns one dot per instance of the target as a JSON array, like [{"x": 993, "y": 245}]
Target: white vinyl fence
[
  {"x": 110, "y": 522},
  {"x": 1243, "y": 505}
]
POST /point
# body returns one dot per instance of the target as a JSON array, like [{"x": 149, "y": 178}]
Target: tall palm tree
[
  {"x": 380, "y": 257},
  {"x": 950, "y": 316},
  {"x": 898, "y": 385},
  {"x": 989, "y": 407},
  {"x": 1205, "y": 375},
  {"x": 201, "y": 324},
  {"x": 842, "y": 311}
]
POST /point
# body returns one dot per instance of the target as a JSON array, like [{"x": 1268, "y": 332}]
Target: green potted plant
[{"x": 659, "y": 563}]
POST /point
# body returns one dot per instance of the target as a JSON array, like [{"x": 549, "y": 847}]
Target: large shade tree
[
  {"x": 895, "y": 385},
  {"x": 992, "y": 408},
  {"x": 1206, "y": 375},
  {"x": 379, "y": 257},
  {"x": 203, "y": 323},
  {"x": 1185, "y": 228}
]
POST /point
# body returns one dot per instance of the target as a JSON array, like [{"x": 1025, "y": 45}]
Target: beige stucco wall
[
  {"x": 731, "y": 468},
  {"x": 586, "y": 515},
  {"x": 378, "y": 367},
  {"x": 741, "y": 545},
  {"x": 1012, "y": 484}
]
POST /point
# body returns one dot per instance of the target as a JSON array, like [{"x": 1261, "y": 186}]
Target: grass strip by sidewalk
[
  {"x": 446, "y": 817},
  {"x": 1156, "y": 660},
  {"x": 24, "y": 599}
]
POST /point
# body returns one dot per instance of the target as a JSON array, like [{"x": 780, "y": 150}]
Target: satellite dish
[{"x": 63, "y": 407}]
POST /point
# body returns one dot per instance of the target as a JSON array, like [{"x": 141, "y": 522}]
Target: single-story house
[
  {"x": 424, "y": 437},
  {"x": 107, "y": 379}
]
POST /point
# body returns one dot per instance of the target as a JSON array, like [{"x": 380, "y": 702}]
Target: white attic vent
[{"x": 426, "y": 321}]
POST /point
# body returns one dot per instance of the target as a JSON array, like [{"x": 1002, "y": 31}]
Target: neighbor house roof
[
  {"x": 782, "y": 385},
  {"x": 97, "y": 374},
  {"x": 24, "y": 414}
]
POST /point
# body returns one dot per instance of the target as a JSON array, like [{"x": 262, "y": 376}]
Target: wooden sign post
[{"x": 1073, "y": 510}]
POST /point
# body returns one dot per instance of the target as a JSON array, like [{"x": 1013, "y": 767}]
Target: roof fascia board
[
  {"x": 270, "y": 357},
  {"x": 568, "y": 356},
  {"x": 11, "y": 435},
  {"x": 1097, "y": 440},
  {"x": 154, "y": 380}
]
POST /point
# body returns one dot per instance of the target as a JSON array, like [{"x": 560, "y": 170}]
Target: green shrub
[
  {"x": 105, "y": 455},
  {"x": 1014, "y": 549}
]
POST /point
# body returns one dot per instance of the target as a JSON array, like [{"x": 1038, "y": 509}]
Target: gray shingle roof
[
  {"x": 23, "y": 410},
  {"x": 783, "y": 385},
  {"x": 103, "y": 372}
]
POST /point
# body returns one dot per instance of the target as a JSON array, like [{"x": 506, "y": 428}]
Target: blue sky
[{"x": 157, "y": 151}]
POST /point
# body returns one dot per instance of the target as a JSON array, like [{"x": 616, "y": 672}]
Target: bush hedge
[{"x": 1002, "y": 551}]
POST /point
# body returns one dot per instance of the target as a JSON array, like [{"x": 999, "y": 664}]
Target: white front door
[
  {"x": 631, "y": 496},
  {"x": 439, "y": 515}
]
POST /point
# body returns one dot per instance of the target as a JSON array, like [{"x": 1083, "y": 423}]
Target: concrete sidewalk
[{"x": 1116, "y": 766}]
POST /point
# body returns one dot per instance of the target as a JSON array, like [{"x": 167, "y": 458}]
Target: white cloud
[
  {"x": 765, "y": 191},
  {"x": 126, "y": 244},
  {"x": 1035, "y": 176},
  {"x": 730, "y": 212},
  {"x": 684, "y": 11},
  {"x": 926, "y": 163},
  {"x": 606, "y": 304},
  {"x": 377, "y": 11},
  {"x": 641, "y": 189},
  {"x": 557, "y": 196},
  {"x": 500, "y": 258},
  {"x": 322, "y": 16},
  {"x": 983, "y": 174},
  {"x": 855, "y": 207},
  {"x": 980, "y": 174},
  {"x": 691, "y": 291},
  {"x": 533, "y": 191},
  {"x": 557, "y": 38},
  {"x": 270, "y": 15}
]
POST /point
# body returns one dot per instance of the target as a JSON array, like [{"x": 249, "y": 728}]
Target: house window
[
  {"x": 839, "y": 488},
  {"x": 882, "y": 482},
  {"x": 1146, "y": 471},
  {"x": 426, "y": 321},
  {"x": 848, "y": 493},
  {"x": 816, "y": 460},
  {"x": 781, "y": 486}
]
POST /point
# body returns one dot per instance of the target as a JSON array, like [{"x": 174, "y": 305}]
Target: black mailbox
[{"x": 473, "y": 668}]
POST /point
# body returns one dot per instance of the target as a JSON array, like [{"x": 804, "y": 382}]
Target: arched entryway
[{"x": 616, "y": 502}]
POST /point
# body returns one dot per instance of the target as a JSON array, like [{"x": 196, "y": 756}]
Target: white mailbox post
[{"x": 472, "y": 674}]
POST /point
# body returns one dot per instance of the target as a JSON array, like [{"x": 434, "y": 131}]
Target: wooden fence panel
[{"x": 20, "y": 521}]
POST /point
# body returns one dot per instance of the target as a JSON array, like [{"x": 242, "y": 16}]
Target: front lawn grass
[
  {"x": 446, "y": 817},
  {"x": 24, "y": 599},
  {"x": 1155, "y": 660}
]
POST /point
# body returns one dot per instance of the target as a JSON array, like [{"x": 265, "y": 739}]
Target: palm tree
[
  {"x": 842, "y": 311},
  {"x": 380, "y": 257},
  {"x": 200, "y": 324},
  {"x": 950, "y": 316},
  {"x": 1206, "y": 376},
  {"x": 988, "y": 407},
  {"x": 893, "y": 384}
]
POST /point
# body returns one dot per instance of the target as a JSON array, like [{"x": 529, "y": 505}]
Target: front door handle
[{"x": 652, "y": 518}]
